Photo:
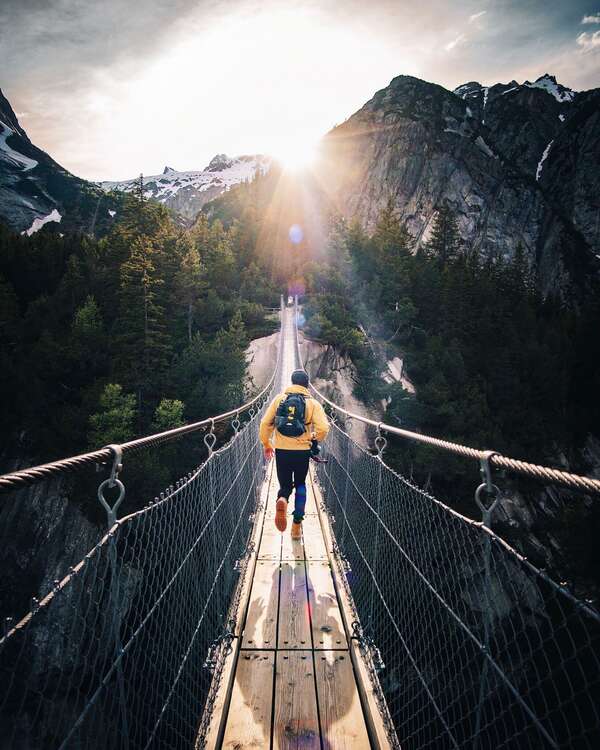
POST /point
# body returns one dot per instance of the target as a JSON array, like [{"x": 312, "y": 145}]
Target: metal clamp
[
  {"x": 380, "y": 442},
  {"x": 210, "y": 438},
  {"x": 113, "y": 481},
  {"x": 487, "y": 487}
]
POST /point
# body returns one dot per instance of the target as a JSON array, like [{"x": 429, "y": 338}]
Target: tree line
[
  {"x": 494, "y": 363},
  {"x": 104, "y": 340}
]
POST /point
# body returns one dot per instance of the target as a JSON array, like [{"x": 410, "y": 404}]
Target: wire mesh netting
[
  {"x": 116, "y": 655},
  {"x": 476, "y": 647}
]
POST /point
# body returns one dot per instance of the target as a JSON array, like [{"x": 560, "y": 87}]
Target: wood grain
[
  {"x": 270, "y": 543},
  {"x": 294, "y": 624},
  {"x": 249, "y": 720},
  {"x": 291, "y": 549},
  {"x": 314, "y": 544},
  {"x": 296, "y": 724},
  {"x": 342, "y": 722},
  {"x": 261, "y": 620},
  {"x": 327, "y": 625}
]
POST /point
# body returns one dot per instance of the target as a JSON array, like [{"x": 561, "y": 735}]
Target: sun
[{"x": 297, "y": 156}]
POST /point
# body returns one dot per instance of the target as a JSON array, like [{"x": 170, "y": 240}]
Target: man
[{"x": 297, "y": 422}]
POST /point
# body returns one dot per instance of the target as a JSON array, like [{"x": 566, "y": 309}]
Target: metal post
[
  {"x": 111, "y": 519},
  {"x": 380, "y": 445},
  {"x": 489, "y": 488}
]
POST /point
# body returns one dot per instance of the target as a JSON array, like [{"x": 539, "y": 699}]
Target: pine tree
[
  {"x": 444, "y": 243},
  {"x": 190, "y": 285},
  {"x": 141, "y": 324}
]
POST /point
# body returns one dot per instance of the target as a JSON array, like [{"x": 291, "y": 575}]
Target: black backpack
[{"x": 289, "y": 418}]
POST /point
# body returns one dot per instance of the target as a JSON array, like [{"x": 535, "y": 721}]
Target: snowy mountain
[
  {"x": 518, "y": 163},
  {"x": 36, "y": 191},
  {"x": 187, "y": 192},
  {"x": 522, "y": 119}
]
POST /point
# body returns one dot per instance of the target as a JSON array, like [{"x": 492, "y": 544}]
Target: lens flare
[{"x": 296, "y": 234}]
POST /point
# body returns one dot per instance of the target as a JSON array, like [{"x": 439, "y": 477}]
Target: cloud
[
  {"x": 475, "y": 16},
  {"x": 588, "y": 41},
  {"x": 591, "y": 19},
  {"x": 455, "y": 42}
]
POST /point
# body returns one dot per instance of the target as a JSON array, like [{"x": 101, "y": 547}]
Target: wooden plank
[
  {"x": 296, "y": 724},
  {"x": 363, "y": 675},
  {"x": 261, "y": 620},
  {"x": 327, "y": 625},
  {"x": 342, "y": 722},
  {"x": 249, "y": 720},
  {"x": 311, "y": 506},
  {"x": 314, "y": 544},
  {"x": 270, "y": 543},
  {"x": 294, "y": 623},
  {"x": 291, "y": 549},
  {"x": 225, "y": 680}
]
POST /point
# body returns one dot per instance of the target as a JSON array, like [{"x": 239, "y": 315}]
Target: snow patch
[
  {"x": 486, "y": 91},
  {"x": 222, "y": 173},
  {"x": 513, "y": 88},
  {"x": 111, "y": 213},
  {"x": 10, "y": 154},
  {"x": 38, "y": 223},
  {"x": 538, "y": 171},
  {"x": 561, "y": 118},
  {"x": 548, "y": 83}
]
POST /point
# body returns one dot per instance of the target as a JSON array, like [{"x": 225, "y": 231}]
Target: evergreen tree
[
  {"x": 140, "y": 330},
  {"x": 444, "y": 242},
  {"x": 114, "y": 423},
  {"x": 190, "y": 285}
]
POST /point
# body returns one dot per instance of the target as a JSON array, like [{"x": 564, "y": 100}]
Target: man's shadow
[{"x": 302, "y": 732}]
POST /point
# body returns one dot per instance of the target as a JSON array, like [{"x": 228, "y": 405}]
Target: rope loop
[{"x": 235, "y": 423}]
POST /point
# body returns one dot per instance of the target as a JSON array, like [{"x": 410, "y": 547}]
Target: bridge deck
[
  {"x": 291, "y": 679},
  {"x": 294, "y": 684}
]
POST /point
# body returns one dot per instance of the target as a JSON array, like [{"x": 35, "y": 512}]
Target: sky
[{"x": 112, "y": 88}]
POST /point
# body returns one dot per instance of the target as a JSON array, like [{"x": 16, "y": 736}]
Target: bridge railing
[
  {"x": 125, "y": 650},
  {"x": 469, "y": 643}
]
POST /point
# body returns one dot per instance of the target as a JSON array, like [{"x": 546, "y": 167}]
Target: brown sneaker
[
  {"x": 281, "y": 514},
  {"x": 297, "y": 530}
]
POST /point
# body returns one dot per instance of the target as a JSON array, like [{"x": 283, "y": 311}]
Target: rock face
[
  {"x": 36, "y": 191},
  {"x": 335, "y": 377},
  {"x": 187, "y": 192},
  {"x": 517, "y": 163}
]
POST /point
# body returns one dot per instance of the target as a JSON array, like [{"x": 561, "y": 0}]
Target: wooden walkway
[{"x": 291, "y": 682}]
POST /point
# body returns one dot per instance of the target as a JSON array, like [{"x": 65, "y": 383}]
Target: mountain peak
[
  {"x": 219, "y": 162},
  {"x": 550, "y": 85},
  {"x": 166, "y": 170},
  {"x": 9, "y": 118}
]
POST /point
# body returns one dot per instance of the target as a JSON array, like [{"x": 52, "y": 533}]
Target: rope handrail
[
  {"x": 558, "y": 476},
  {"x": 34, "y": 474}
]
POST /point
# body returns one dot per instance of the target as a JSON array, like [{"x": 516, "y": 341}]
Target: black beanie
[{"x": 300, "y": 377}]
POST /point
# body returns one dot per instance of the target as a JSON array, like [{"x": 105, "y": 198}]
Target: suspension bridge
[{"x": 394, "y": 622}]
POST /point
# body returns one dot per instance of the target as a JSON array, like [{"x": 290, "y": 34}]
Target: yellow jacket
[{"x": 314, "y": 417}]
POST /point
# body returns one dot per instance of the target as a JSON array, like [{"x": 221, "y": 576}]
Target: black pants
[{"x": 292, "y": 468}]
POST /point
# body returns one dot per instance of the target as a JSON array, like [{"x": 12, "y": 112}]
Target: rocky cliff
[
  {"x": 36, "y": 191},
  {"x": 517, "y": 163}
]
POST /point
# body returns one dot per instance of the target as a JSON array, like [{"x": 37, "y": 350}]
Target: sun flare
[{"x": 297, "y": 156}]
